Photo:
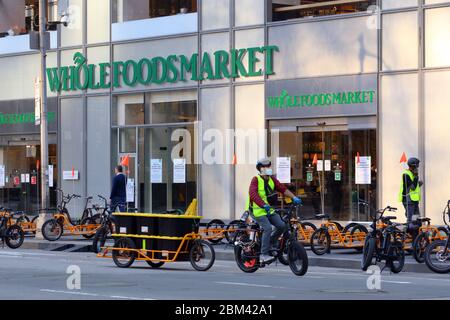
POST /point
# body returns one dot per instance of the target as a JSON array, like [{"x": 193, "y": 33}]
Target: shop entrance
[
  {"x": 21, "y": 190},
  {"x": 323, "y": 168}
]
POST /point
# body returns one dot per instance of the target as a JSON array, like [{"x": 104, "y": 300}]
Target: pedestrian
[
  {"x": 409, "y": 194},
  {"x": 119, "y": 190}
]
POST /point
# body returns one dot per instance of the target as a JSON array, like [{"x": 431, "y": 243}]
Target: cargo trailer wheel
[
  {"x": 202, "y": 255},
  {"x": 124, "y": 258},
  {"x": 155, "y": 265}
]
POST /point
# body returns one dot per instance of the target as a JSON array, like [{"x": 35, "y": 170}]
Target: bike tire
[
  {"x": 429, "y": 252},
  {"x": 231, "y": 235},
  {"x": 323, "y": 238},
  {"x": 52, "y": 223},
  {"x": 88, "y": 220},
  {"x": 99, "y": 239},
  {"x": 396, "y": 249},
  {"x": 361, "y": 229},
  {"x": 443, "y": 231},
  {"x": 130, "y": 256},
  {"x": 368, "y": 252},
  {"x": 23, "y": 219},
  {"x": 155, "y": 265},
  {"x": 34, "y": 219},
  {"x": 217, "y": 223},
  {"x": 349, "y": 227},
  {"x": 238, "y": 257},
  {"x": 297, "y": 252},
  {"x": 14, "y": 233},
  {"x": 197, "y": 253},
  {"x": 419, "y": 246}
]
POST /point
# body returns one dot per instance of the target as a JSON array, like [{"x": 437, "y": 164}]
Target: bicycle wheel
[
  {"x": 202, "y": 255},
  {"x": 298, "y": 258},
  {"x": 443, "y": 233},
  {"x": 246, "y": 258},
  {"x": 97, "y": 218},
  {"x": 52, "y": 230},
  {"x": 124, "y": 258},
  {"x": 22, "y": 219},
  {"x": 230, "y": 230},
  {"x": 349, "y": 227},
  {"x": 14, "y": 237},
  {"x": 418, "y": 247},
  {"x": 359, "y": 234},
  {"x": 437, "y": 258},
  {"x": 212, "y": 229},
  {"x": 320, "y": 241},
  {"x": 396, "y": 259},
  {"x": 99, "y": 239},
  {"x": 84, "y": 222},
  {"x": 155, "y": 265},
  {"x": 368, "y": 252}
]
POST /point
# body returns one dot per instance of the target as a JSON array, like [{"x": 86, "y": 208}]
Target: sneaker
[{"x": 264, "y": 258}]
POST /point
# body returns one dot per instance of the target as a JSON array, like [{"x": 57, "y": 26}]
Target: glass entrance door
[{"x": 323, "y": 164}]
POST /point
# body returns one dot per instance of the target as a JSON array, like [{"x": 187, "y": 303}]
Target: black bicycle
[
  {"x": 106, "y": 228},
  {"x": 11, "y": 234},
  {"x": 437, "y": 253},
  {"x": 247, "y": 247},
  {"x": 385, "y": 243}
]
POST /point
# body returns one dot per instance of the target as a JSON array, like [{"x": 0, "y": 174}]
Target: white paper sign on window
[
  {"x": 130, "y": 190},
  {"x": 363, "y": 173},
  {"x": 2, "y": 175},
  {"x": 319, "y": 165},
  {"x": 284, "y": 169},
  {"x": 50, "y": 176},
  {"x": 179, "y": 170},
  {"x": 156, "y": 170}
]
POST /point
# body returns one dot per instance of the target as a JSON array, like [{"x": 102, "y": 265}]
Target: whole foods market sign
[
  {"x": 322, "y": 97},
  {"x": 158, "y": 70}
]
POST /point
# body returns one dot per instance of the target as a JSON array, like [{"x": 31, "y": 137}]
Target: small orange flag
[
  {"x": 315, "y": 158},
  {"x": 358, "y": 160},
  {"x": 125, "y": 161},
  {"x": 403, "y": 159},
  {"x": 234, "y": 161},
  {"x": 73, "y": 172},
  {"x": 38, "y": 163}
]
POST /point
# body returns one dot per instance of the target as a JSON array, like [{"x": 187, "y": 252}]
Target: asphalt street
[{"x": 34, "y": 274}]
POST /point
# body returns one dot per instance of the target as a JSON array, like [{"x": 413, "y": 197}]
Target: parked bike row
[{"x": 384, "y": 240}]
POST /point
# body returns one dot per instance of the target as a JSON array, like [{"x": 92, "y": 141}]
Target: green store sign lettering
[
  {"x": 284, "y": 100},
  {"x": 22, "y": 118},
  {"x": 158, "y": 70}
]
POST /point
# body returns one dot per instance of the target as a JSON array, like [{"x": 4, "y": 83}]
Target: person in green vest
[
  {"x": 409, "y": 193},
  {"x": 262, "y": 196}
]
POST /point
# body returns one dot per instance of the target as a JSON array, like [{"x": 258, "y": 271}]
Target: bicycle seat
[
  {"x": 423, "y": 219},
  {"x": 322, "y": 216}
]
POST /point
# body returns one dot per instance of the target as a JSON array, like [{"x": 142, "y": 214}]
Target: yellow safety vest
[
  {"x": 414, "y": 194},
  {"x": 256, "y": 210}
]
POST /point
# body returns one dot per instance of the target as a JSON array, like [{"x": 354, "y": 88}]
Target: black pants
[{"x": 412, "y": 209}]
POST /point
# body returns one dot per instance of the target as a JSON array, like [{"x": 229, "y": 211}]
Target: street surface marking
[
  {"x": 245, "y": 284},
  {"x": 93, "y": 294},
  {"x": 399, "y": 282}
]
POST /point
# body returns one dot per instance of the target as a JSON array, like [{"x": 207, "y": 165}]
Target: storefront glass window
[
  {"x": 215, "y": 14},
  {"x": 98, "y": 21},
  {"x": 284, "y": 10},
  {"x": 337, "y": 185},
  {"x": 435, "y": 1},
  {"x": 128, "y": 110},
  {"x": 128, "y": 140},
  {"x": 128, "y": 10},
  {"x": 249, "y": 12}
]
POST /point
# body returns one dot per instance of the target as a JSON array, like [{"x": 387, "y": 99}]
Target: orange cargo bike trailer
[{"x": 158, "y": 239}]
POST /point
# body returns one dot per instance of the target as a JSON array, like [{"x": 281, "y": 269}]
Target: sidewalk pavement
[{"x": 338, "y": 258}]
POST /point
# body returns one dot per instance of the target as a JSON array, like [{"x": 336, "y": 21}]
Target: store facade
[{"x": 164, "y": 91}]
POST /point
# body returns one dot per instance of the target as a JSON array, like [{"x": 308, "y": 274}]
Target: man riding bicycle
[{"x": 262, "y": 196}]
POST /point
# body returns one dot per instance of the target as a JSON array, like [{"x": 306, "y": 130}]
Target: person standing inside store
[
  {"x": 409, "y": 194},
  {"x": 262, "y": 196},
  {"x": 118, "y": 195}
]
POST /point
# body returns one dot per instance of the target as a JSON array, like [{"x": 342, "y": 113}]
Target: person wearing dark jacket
[{"x": 119, "y": 190}]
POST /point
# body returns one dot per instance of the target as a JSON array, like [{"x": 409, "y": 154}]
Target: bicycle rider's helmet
[
  {"x": 263, "y": 163},
  {"x": 413, "y": 162}
]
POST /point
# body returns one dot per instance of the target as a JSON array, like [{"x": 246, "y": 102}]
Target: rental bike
[
  {"x": 437, "y": 253},
  {"x": 247, "y": 247},
  {"x": 11, "y": 234},
  {"x": 385, "y": 244},
  {"x": 106, "y": 228}
]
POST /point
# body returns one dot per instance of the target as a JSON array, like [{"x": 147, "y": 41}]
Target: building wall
[{"x": 413, "y": 41}]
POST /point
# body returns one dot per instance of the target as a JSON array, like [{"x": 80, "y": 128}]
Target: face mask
[{"x": 267, "y": 171}]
